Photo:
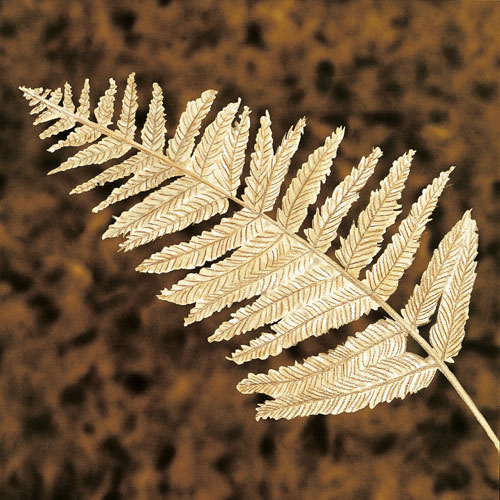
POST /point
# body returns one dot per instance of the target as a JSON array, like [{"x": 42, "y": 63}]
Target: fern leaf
[
  {"x": 126, "y": 123},
  {"x": 36, "y": 98},
  {"x": 381, "y": 340},
  {"x": 167, "y": 210},
  {"x": 210, "y": 147},
  {"x": 281, "y": 163},
  {"x": 390, "y": 378},
  {"x": 275, "y": 304},
  {"x": 106, "y": 149},
  {"x": 151, "y": 174},
  {"x": 327, "y": 219},
  {"x": 162, "y": 200},
  {"x": 298, "y": 289},
  {"x": 65, "y": 122},
  {"x": 425, "y": 296},
  {"x": 78, "y": 137},
  {"x": 154, "y": 130},
  {"x": 304, "y": 188},
  {"x": 261, "y": 161},
  {"x": 181, "y": 145},
  {"x": 363, "y": 240},
  {"x": 231, "y": 233},
  {"x": 82, "y": 135},
  {"x": 447, "y": 333},
  {"x": 106, "y": 105},
  {"x": 195, "y": 211},
  {"x": 153, "y": 138},
  {"x": 109, "y": 147},
  {"x": 48, "y": 111},
  {"x": 230, "y": 165},
  {"x": 282, "y": 266},
  {"x": 83, "y": 110},
  {"x": 148, "y": 171},
  {"x": 104, "y": 114},
  {"x": 115, "y": 172},
  {"x": 196, "y": 286},
  {"x": 314, "y": 319},
  {"x": 385, "y": 274}
]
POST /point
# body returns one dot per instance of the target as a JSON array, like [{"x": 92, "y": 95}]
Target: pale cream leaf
[
  {"x": 181, "y": 145},
  {"x": 281, "y": 163},
  {"x": 261, "y": 161},
  {"x": 327, "y": 219},
  {"x": 279, "y": 266},
  {"x": 384, "y": 276},
  {"x": 390, "y": 378},
  {"x": 381, "y": 340},
  {"x": 447, "y": 333},
  {"x": 126, "y": 123},
  {"x": 284, "y": 299},
  {"x": 425, "y": 297},
  {"x": 364, "y": 238},
  {"x": 305, "y": 186},
  {"x": 231, "y": 233},
  {"x": 331, "y": 311},
  {"x": 210, "y": 148}
]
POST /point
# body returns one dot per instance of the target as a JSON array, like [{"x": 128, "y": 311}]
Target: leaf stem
[
  {"x": 411, "y": 329},
  {"x": 444, "y": 369}
]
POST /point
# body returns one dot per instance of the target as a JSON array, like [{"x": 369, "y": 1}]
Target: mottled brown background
[{"x": 103, "y": 393}]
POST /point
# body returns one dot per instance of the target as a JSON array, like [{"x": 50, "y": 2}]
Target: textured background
[{"x": 103, "y": 393}]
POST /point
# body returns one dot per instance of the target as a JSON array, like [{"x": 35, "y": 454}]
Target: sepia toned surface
[{"x": 104, "y": 393}]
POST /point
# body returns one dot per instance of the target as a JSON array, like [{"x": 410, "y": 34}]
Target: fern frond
[
  {"x": 148, "y": 171},
  {"x": 181, "y": 145},
  {"x": 36, "y": 98},
  {"x": 281, "y": 163},
  {"x": 109, "y": 147},
  {"x": 382, "y": 340},
  {"x": 282, "y": 267},
  {"x": 447, "y": 333},
  {"x": 45, "y": 112},
  {"x": 161, "y": 201},
  {"x": 154, "y": 130},
  {"x": 208, "y": 151},
  {"x": 104, "y": 114},
  {"x": 231, "y": 233},
  {"x": 390, "y": 378},
  {"x": 106, "y": 105},
  {"x": 230, "y": 165},
  {"x": 64, "y": 122},
  {"x": 299, "y": 290},
  {"x": 425, "y": 296},
  {"x": 106, "y": 149},
  {"x": 197, "y": 286},
  {"x": 276, "y": 303},
  {"x": 261, "y": 161},
  {"x": 304, "y": 188},
  {"x": 152, "y": 217},
  {"x": 113, "y": 173},
  {"x": 150, "y": 174},
  {"x": 384, "y": 276},
  {"x": 126, "y": 123},
  {"x": 331, "y": 311},
  {"x": 363, "y": 240},
  {"x": 327, "y": 219},
  {"x": 83, "y": 110}
]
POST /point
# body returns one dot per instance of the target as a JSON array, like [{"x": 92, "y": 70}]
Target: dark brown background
[{"x": 104, "y": 394}]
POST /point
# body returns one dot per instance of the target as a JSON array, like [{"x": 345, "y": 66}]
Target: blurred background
[{"x": 103, "y": 392}]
